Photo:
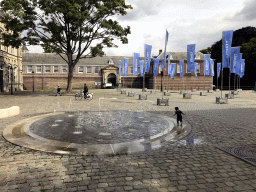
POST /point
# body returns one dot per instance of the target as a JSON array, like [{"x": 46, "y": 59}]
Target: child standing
[
  {"x": 58, "y": 91},
  {"x": 179, "y": 115}
]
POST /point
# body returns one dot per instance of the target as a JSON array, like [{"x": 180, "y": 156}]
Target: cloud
[
  {"x": 141, "y": 9},
  {"x": 247, "y": 13}
]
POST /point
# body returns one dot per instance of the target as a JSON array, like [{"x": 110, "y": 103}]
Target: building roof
[
  {"x": 24, "y": 48},
  {"x": 53, "y": 58},
  {"x": 181, "y": 55}
]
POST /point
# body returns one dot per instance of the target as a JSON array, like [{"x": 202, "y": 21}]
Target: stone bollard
[
  {"x": 234, "y": 92},
  {"x": 123, "y": 92},
  {"x": 221, "y": 100},
  {"x": 142, "y": 97},
  {"x": 153, "y": 92},
  {"x": 163, "y": 101},
  {"x": 130, "y": 94},
  {"x": 203, "y": 94},
  {"x": 167, "y": 93},
  {"x": 210, "y": 91},
  {"x": 229, "y": 96},
  {"x": 187, "y": 96}
]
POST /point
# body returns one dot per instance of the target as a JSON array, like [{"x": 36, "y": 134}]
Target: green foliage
[
  {"x": 249, "y": 51},
  {"x": 206, "y": 51},
  {"x": 65, "y": 26}
]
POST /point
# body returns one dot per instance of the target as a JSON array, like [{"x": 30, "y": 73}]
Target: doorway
[{"x": 112, "y": 79}]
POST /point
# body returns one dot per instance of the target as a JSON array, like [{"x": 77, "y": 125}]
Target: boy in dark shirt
[
  {"x": 58, "y": 91},
  {"x": 179, "y": 116}
]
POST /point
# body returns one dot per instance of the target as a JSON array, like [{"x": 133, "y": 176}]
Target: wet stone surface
[{"x": 101, "y": 127}]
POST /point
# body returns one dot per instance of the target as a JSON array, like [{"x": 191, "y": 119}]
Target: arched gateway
[{"x": 110, "y": 75}]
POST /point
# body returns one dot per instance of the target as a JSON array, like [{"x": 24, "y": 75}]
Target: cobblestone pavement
[{"x": 176, "y": 167}]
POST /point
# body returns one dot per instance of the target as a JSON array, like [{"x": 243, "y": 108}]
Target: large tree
[{"x": 65, "y": 27}]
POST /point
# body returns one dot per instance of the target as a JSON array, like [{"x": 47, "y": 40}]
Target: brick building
[{"x": 49, "y": 70}]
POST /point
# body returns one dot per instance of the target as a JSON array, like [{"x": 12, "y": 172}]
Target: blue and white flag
[
  {"x": 173, "y": 68},
  {"x": 141, "y": 68},
  {"x": 242, "y": 68},
  {"x": 166, "y": 38},
  {"x": 227, "y": 37},
  {"x": 120, "y": 68},
  {"x": 169, "y": 64},
  {"x": 234, "y": 53},
  {"x": 136, "y": 57},
  {"x": 163, "y": 64},
  {"x": 126, "y": 62},
  {"x": 218, "y": 69},
  {"x": 191, "y": 57},
  {"x": 181, "y": 67},
  {"x": 207, "y": 58},
  {"x": 195, "y": 69},
  {"x": 212, "y": 67},
  {"x": 156, "y": 63},
  {"x": 238, "y": 64},
  {"x": 148, "y": 49}
]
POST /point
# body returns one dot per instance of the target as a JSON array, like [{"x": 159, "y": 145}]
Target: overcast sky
[{"x": 199, "y": 22}]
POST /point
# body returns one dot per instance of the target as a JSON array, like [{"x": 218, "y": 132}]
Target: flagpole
[
  {"x": 222, "y": 66},
  {"x": 234, "y": 81},
  {"x": 143, "y": 88}
]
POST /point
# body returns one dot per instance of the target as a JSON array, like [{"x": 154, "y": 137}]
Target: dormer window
[{"x": 110, "y": 62}]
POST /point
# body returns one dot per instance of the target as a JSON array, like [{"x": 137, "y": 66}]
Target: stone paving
[{"x": 181, "y": 166}]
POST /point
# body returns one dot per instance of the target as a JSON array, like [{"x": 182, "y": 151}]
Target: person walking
[
  {"x": 58, "y": 91},
  {"x": 179, "y": 115}
]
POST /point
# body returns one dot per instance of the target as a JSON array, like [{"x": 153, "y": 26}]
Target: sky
[{"x": 199, "y": 22}]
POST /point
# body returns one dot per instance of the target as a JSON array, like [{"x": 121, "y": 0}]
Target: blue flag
[
  {"x": 169, "y": 65},
  {"x": 136, "y": 57},
  {"x": 226, "y": 47},
  {"x": 163, "y": 64},
  {"x": 218, "y": 69},
  {"x": 148, "y": 49},
  {"x": 169, "y": 69},
  {"x": 156, "y": 63},
  {"x": 120, "y": 68},
  {"x": 242, "y": 68},
  {"x": 126, "y": 62},
  {"x": 181, "y": 67},
  {"x": 233, "y": 57},
  {"x": 173, "y": 67},
  {"x": 206, "y": 64},
  {"x": 195, "y": 69},
  {"x": 212, "y": 67},
  {"x": 238, "y": 64},
  {"x": 141, "y": 68},
  {"x": 191, "y": 57},
  {"x": 166, "y": 38}
]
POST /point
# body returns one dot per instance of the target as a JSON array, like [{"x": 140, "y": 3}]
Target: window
[
  {"x": 88, "y": 69},
  {"x": 47, "y": 69},
  {"x": 39, "y": 69},
  {"x": 96, "y": 70},
  {"x": 178, "y": 68},
  {"x": 80, "y": 69},
  {"x": 29, "y": 68},
  {"x": 64, "y": 68},
  {"x": 131, "y": 70},
  {"x": 56, "y": 69},
  {"x": 198, "y": 68}
]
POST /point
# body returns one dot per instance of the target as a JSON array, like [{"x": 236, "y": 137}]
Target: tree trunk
[{"x": 70, "y": 78}]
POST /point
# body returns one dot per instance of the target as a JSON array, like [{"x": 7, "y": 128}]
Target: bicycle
[{"x": 80, "y": 96}]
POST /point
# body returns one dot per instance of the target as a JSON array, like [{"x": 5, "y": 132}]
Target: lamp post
[
  {"x": 33, "y": 81},
  {"x": 11, "y": 79}
]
